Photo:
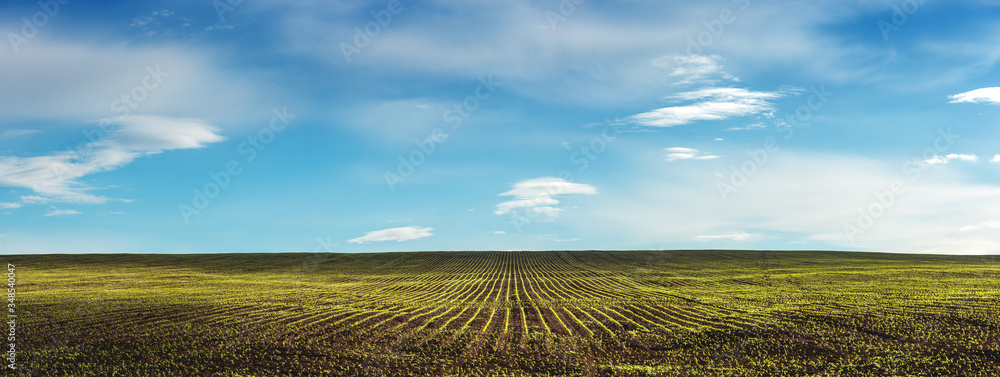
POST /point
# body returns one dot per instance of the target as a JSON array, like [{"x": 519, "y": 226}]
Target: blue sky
[{"x": 199, "y": 126}]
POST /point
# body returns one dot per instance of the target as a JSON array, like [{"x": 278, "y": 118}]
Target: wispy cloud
[
  {"x": 62, "y": 212},
  {"x": 539, "y": 196},
  {"x": 983, "y": 226},
  {"x": 34, "y": 199},
  {"x": 10, "y": 205},
  {"x": 17, "y": 133},
  {"x": 996, "y": 158},
  {"x": 679, "y": 153},
  {"x": 735, "y": 236},
  {"x": 754, "y": 126},
  {"x": 67, "y": 79},
  {"x": 693, "y": 68},
  {"x": 710, "y": 104},
  {"x": 948, "y": 158},
  {"x": 982, "y": 95},
  {"x": 405, "y": 233},
  {"x": 54, "y": 177},
  {"x": 151, "y": 20},
  {"x": 807, "y": 196}
]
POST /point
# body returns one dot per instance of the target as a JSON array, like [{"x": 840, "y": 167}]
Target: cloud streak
[
  {"x": 538, "y": 196},
  {"x": 62, "y": 212},
  {"x": 983, "y": 95},
  {"x": 950, "y": 157},
  {"x": 693, "y": 68},
  {"x": 709, "y": 104},
  {"x": 679, "y": 153},
  {"x": 401, "y": 234},
  {"x": 735, "y": 236},
  {"x": 804, "y": 196},
  {"x": 17, "y": 133},
  {"x": 64, "y": 81},
  {"x": 55, "y": 177}
]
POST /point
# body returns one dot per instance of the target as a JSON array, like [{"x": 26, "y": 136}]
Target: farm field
[{"x": 604, "y": 313}]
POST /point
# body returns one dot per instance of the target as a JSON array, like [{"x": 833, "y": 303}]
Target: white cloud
[
  {"x": 801, "y": 196},
  {"x": 537, "y": 196},
  {"x": 542, "y": 213},
  {"x": 963, "y": 157},
  {"x": 148, "y": 133},
  {"x": 514, "y": 43},
  {"x": 505, "y": 207},
  {"x": 394, "y": 234},
  {"x": 548, "y": 186},
  {"x": 34, "y": 199},
  {"x": 689, "y": 65},
  {"x": 984, "y": 226},
  {"x": 152, "y": 20},
  {"x": 996, "y": 158},
  {"x": 10, "y": 205},
  {"x": 747, "y": 127},
  {"x": 55, "y": 177},
  {"x": 62, "y": 212},
  {"x": 678, "y": 153},
  {"x": 693, "y": 68},
  {"x": 711, "y": 104},
  {"x": 735, "y": 236},
  {"x": 397, "y": 120},
  {"x": 948, "y": 158},
  {"x": 498, "y": 232},
  {"x": 591, "y": 56},
  {"x": 982, "y": 95},
  {"x": 64, "y": 81},
  {"x": 17, "y": 133}
]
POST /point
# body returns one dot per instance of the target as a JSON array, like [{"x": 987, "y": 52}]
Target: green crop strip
[{"x": 611, "y": 313}]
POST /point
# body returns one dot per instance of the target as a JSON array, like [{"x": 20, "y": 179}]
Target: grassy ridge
[{"x": 741, "y": 313}]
